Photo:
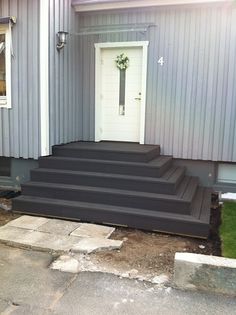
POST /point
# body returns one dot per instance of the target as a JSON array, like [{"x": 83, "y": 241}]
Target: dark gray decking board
[
  {"x": 116, "y": 197},
  {"x": 108, "y": 146},
  {"x": 206, "y": 205},
  {"x": 187, "y": 188},
  {"x": 197, "y": 203},
  {"x": 173, "y": 172},
  {"x": 100, "y": 213},
  {"x": 154, "y": 168},
  {"x": 117, "y": 183},
  {"x": 163, "y": 185},
  {"x": 111, "y": 151},
  {"x": 191, "y": 189}
]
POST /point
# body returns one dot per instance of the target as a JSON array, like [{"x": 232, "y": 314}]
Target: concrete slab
[
  {"x": 93, "y": 230},
  {"x": 26, "y": 280},
  {"x": 37, "y": 240},
  {"x": 14, "y": 234},
  {"x": 29, "y": 287},
  {"x": 58, "y": 227},
  {"x": 51, "y": 242},
  {"x": 30, "y": 310},
  {"x": 206, "y": 273},
  {"x": 3, "y": 305},
  {"x": 228, "y": 197},
  {"x": 52, "y": 235},
  {"x": 97, "y": 293},
  {"x": 66, "y": 263},
  {"x": 28, "y": 222},
  {"x": 89, "y": 245}
]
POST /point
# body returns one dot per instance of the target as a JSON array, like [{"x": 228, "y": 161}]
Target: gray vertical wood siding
[
  {"x": 65, "y": 109},
  {"x": 19, "y": 126},
  {"x": 191, "y": 99}
]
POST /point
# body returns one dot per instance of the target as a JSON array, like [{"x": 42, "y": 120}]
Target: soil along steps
[{"x": 117, "y": 183}]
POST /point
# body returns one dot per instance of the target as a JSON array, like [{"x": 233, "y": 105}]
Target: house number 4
[{"x": 161, "y": 61}]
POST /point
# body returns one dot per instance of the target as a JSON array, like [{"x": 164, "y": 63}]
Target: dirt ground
[
  {"x": 153, "y": 253},
  {"x": 147, "y": 253},
  {"x": 6, "y": 216}
]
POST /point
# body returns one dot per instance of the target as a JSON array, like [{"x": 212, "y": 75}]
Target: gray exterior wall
[
  {"x": 19, "y": 173},
  {"x": 191, "y": 100},
  {"x": 65, "y": 109},
  {"x": 19, "y": 126}
]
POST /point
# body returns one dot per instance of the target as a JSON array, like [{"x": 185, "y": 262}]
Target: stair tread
[
  {"x": 105, "y": 207},
  {"x": 197, "y": 203},
  {"x": 182, "y": 196},
  {"x": 109, "y": 147},
  {"x": 171, "y": 177},
  {"x": 201, "y": 207},
  {"x": 206, "y": 205},
  {"x": 156, "y": 162},
  {"x": 124, "y": 183},
  {"x": 187, "y": 188},
  {"x": 173, "y": 173}
]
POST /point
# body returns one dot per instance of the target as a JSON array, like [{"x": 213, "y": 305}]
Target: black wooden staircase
[{"x": 117, "y": 183}]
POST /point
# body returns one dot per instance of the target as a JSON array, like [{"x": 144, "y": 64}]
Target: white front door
[{"x": 118, "y": 121}]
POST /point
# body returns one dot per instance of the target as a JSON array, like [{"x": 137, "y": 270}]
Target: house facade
[{"x": 181, "y": 77}]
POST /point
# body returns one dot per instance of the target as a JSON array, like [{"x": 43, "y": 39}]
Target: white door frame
[{"x": 98, "y": 107}]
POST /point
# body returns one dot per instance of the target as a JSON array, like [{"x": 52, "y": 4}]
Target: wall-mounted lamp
[{"x": 61, "y": 39}]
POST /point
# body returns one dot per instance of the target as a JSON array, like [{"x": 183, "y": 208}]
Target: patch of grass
[{"x": 228, "y": 230}]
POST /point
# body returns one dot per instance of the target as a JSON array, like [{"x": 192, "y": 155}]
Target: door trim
[
  {"x": 98, "y": 107},
  {"x": 44, "y": 78}
]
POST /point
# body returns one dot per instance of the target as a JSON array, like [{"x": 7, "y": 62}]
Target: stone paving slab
[
  {"x": 89, "y": 245},
  {"x": 50, "y": 242},
  {"x": 28, "y": 222},
  {"x": 57, "y": 235},
  {"x": 37, "y": 240},
  {"x": 59, "y": 227},
  {"x": 93, "y": 230},
  {"x": 14, "y": 234}
]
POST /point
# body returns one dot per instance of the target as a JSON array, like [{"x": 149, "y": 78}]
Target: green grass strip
[{"x": 228, "y": 230}]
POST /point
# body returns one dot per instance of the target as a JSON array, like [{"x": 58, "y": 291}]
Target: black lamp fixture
[{"x": 61, "y": 39}]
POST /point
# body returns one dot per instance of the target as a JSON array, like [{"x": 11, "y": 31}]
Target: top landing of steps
[{"x": 120, "y": 151}]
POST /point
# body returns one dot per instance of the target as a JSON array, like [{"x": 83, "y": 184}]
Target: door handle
[{"x": 138, "y": 98}]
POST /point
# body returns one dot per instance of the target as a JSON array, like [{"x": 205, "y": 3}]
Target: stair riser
[
  {"x": 166, "y": 225},
  {"x": 95, "y": 181},
  {"x": 107, "y": 155},
  {"x": 105, "y": 167},
  {"x": 141, "y": 202}
]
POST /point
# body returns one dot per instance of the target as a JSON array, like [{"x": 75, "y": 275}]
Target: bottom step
[{"x": 99, "y": 213}]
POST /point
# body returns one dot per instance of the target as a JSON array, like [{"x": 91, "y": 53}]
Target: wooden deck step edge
[
  {"x": 206, "y": 205},
  {"x": 141, "y": 219},
  {"x": 105, "y": 190},
  {"x": 201, "y": 206},
  {"x": 105, "y": 207},
  {"x": 175, "y": 176},
  {"x": 157, "y": 162}
]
